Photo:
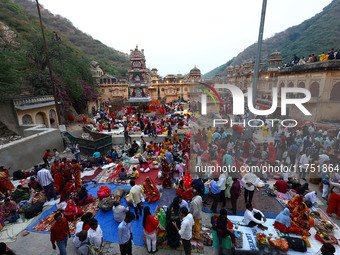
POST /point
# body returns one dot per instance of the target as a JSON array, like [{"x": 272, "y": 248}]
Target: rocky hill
[
  {"x": 113, "y": 60},
  {"x": 315, "y": 35}
]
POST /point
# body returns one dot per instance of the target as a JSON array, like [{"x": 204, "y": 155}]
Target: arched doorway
[
  {"x": 290, "y": 95},
  {"x": 314, "y": 89},
  {"x": 53, "y": 118},
  {"x": 40, "y": 118},
  {"x": 335, "y": 93},
  {"x": 301, "y": 85},
  {"x": 27, "y": 119}
]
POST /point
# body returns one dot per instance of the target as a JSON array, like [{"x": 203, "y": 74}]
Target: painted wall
[{"x": 28, "y": 151}]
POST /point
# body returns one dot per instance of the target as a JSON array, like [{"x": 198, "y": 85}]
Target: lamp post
[
  {"x": 257, "y": 60},
  {"x": 49, "y": 65}
]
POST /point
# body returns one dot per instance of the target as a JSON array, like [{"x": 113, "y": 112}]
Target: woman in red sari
[
  {"x": 66, "y": 188},
  {"x": 185, "y": 189},
  {"x": 66, "y": 167},
  {"x": 246, "y": 149},
  {"x": 6, "y": 185},
  {"x": 272, "y": 153},
  {"x": 204, "y": 146},
  {"x": 56, "y": 172},
  {"x": 151, "y": 191},
  {"x": 220, "y": 157}
]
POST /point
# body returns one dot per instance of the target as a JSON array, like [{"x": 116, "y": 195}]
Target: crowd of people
[
  {"x": 299, "y": 147},
  {"x": 331, "y": 55}
]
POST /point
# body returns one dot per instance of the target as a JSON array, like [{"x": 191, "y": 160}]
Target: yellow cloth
[
  {"x": 322, "y": 57},
  {"x": 197, "y": 228}
]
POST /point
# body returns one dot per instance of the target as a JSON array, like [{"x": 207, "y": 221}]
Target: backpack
[
  {"x": 34, "y": 210},
  {"x": 93, "y": 250},
  {"x": 296, "y": 244}
]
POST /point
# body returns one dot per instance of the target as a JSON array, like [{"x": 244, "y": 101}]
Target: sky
[{"x": 180, "y": 34}]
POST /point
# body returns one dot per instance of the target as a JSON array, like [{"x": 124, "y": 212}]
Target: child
[
  {"x": 180, "y": 168},
  {"x": 82, "y": 195}
]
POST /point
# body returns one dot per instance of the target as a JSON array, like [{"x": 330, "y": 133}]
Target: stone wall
[
  {"x": 9, "y": 118},
  {"x": 28, "y": 151}
]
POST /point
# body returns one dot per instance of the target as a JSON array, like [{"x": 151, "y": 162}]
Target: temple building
[{"x": 144, "y": 85}]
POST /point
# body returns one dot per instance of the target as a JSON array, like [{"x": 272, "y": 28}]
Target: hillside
[
  {"x": 23, "y": 65},
  {"x": 114, "y": 61},
  {"x": 315, "y": 35}
]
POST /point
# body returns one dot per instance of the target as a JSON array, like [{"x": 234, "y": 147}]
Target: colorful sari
[
  {"x": 220, "y": 157},
  {"x": 186, "y": 190},
  {"x": 57, "y": 173},
  {"x": 67, "y": 169},
  {"x": 66, "y": 191},
  {"x": 151, "y": 191},
  {"x": 298, "y": 211},
  {"x": 6, "y": 185},
  {"x": 77, "y": 176},
  {"x": 20, "y": 195},
  {"x": 303, "y": 223}
]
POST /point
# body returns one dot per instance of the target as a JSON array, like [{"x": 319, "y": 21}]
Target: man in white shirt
[
  {"x": 222, "y": 183},
  {"x": 136, "y": 193},
  {"x": 253, "y": 217},
  {"x": 46, "y": 181},
  {"x": 183, "y": 203},
  {"x": 186, "y": 229},
  {"x": 95, "y": 233},
  {"x": 304, "y": 162}
]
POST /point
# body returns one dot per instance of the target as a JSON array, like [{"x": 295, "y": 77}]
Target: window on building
[
  {"x": 104, "y": 81},
  {"x": 124, "y": 90},
  {"x": 170, "y": 91},
  {"x": 178, "y": 89},
  {"x": 162, "y": 89},
  {"x": 185, "y": 89},
  {"x": 101, "y": 81},
  {"x": 103, "y": 90}
]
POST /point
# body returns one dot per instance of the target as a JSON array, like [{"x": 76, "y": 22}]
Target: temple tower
[{"x": 139, "y": 78}]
